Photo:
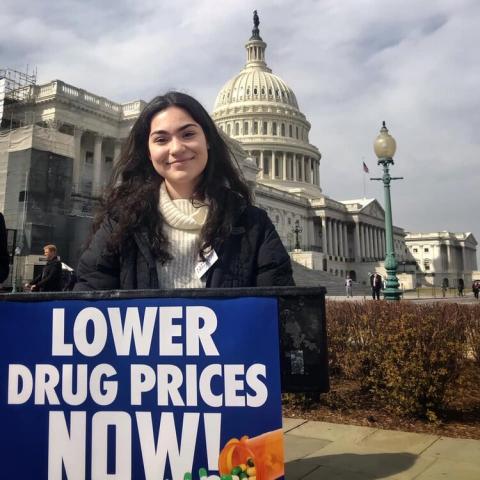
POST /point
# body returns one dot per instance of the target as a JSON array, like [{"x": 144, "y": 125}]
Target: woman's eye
[
  {"x": 189, "y": 134},
  {"x": 160, "y": 140}
]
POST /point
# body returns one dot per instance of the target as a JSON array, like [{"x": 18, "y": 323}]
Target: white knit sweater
[{"x": 182, "y": 224}]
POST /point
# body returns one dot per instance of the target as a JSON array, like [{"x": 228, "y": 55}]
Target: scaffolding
[{"x": 15, "y": 88}]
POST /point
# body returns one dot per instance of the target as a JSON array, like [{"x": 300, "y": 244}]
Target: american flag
[{"x": 365, "y": 168}]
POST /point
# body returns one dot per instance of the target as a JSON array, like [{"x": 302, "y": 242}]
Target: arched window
[
  {"x": 283, "y": 129},
  {"x": 290, "y": 131},
  {"x": 228, "y": 129},
  {"x": 245, "y": 128},
  {"x": 237, "y": 128},
  {"x": 274, "y": 128},
  {"x": 265, "y": 131},
  {"x": 255, "y": 128}
]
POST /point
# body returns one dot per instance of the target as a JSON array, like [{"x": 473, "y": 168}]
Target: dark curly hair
[{"x": 132, "y": 194}]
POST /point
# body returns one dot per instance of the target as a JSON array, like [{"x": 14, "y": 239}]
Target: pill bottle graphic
[{"x": 262, "y": 457}]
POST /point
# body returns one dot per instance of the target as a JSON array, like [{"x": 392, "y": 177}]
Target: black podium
[{"x": 301, "y": 317}]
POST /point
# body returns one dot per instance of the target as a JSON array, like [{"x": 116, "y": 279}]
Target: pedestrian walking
[
  {"x": 460, "y": 287},
  {"x": 50, "y": 280},
  {"x": 349, "y": 286},
  {"x": 444, "y": 287},
  {"x": 476, "y": 288},
  {"x": 376, "y": 283}
]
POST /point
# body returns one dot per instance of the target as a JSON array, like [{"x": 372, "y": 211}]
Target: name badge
[{"x": 202, "y": 267}]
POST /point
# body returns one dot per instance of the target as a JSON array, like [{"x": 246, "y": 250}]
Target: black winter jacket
[
  {"x": 252, "y": 256},
  {"x": 50, "y": 280}
]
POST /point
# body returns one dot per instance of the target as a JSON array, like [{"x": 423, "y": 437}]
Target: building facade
[
  {"x": 443, "y": 255},
  {"x": 58, "y": 144}
]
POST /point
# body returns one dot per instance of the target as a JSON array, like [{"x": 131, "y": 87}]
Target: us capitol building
[{"x": 58, "y": 144}]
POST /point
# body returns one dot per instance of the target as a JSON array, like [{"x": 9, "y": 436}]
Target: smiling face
[{"x": 178, "y": 150}]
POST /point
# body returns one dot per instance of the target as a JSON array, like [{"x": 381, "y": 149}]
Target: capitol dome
[
  {"x": 256, "y": 84},
  {"x": 259, "y": 110}
]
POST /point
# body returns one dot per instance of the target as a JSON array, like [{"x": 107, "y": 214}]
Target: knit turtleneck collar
[{"x": 182, "y": 213}]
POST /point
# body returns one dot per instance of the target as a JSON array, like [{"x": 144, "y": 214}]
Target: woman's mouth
[{"x": 178, "y": 160}]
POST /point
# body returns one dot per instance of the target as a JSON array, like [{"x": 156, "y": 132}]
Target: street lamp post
[
  {"x": 384, "y": 148},
  {"x": 297, "y": 230}
]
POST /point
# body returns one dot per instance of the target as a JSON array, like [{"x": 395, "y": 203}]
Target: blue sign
[{"x": 155, "y": 388}]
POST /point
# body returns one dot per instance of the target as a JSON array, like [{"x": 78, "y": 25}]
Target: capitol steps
[{"x": 305, "y": 277}]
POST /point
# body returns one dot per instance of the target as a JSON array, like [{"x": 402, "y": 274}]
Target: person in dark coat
[
  {"x": 4, "y": 257},
  {"x": 476, "y": 288},
  {"x": 376, "y": 284},
  {"x": 177, "y": 213},
  {"x": 50, "y": 280}
]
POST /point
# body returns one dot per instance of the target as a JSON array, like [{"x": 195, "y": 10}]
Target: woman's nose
[{"x": 176, "y": 145}]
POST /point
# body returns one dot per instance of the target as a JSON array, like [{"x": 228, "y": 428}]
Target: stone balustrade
[{"x": 102, "y": 104}]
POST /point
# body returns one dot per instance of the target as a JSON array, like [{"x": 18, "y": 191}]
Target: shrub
[
  {"x": 408, "y": 356},
  {"x": 472, "y": 313}
]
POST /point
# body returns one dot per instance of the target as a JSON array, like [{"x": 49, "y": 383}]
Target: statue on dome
[{"x": 256, "y": 23}]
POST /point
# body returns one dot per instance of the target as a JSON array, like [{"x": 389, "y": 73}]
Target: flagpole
[{"x": 364, "y": 174}]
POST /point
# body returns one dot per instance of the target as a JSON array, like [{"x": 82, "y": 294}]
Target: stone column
[
  {"x": 345, "y": 241},
  {"x": 273, "y": 170},
  {"x": 340, "y": 239},
  {"x": 335, "y": 237},
  {"x": 117, "y": 149},
  {"x": 372, "y": 245},
  {"x": 324, "y": 235},
  {"x": 379, "y": 250},
  {"x": 375, "y": 243},
  {"x": 368, "y": 241},
  {"x": 364, "y": 241},
  {"x": 97, "y": 166},
  {"x": 356, "y": 242},
  {"x": 261, "y": 164},
  {"x": 295, "y": 167},
  {"x": 284, "y": 166},
  {"x": 464, "y": 258},
  {"x": 330, "y": 236},
  {"x": 382, "y": 241},
  {"x": 77, "y": 160}
]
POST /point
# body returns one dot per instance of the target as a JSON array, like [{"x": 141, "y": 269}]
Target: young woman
[{"x": 177, "y": 214}]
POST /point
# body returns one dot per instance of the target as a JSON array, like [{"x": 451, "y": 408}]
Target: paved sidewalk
[
  {"x": 470, "y": 299},
  {"x": 327, "y": 451}
]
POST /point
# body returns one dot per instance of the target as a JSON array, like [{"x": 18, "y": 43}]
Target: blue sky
[{"x": 351, "y": 63}]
